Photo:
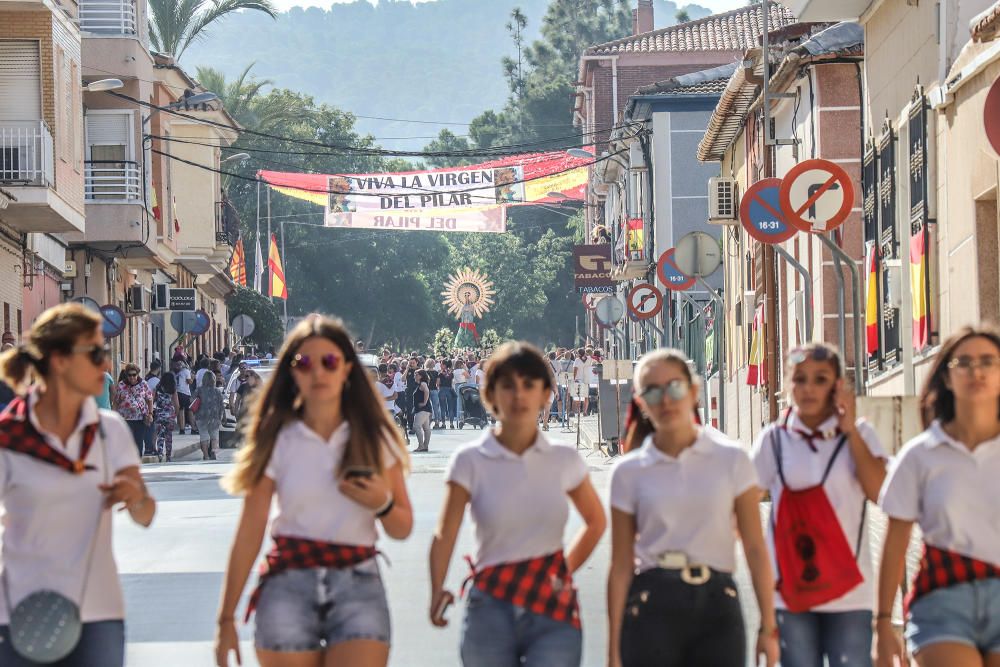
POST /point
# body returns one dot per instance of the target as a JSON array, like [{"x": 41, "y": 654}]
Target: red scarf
[
  {"x": 18, "y": 434},
  {"x": 541, "y": 585},
  {"x": 940, "y": 568}
]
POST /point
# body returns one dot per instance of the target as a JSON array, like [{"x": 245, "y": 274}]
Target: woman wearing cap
[
  {"x": 63, "y": 464},
  {"x": 946, "y": 481},
  {"x": 821, "y": 448},
  {"x": 521, "y": 599},
  {"x": 320, "y": 441},
  {"x": 675, "y": 500}
]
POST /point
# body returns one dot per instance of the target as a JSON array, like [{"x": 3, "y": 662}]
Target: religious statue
[{"x": 468, "y": 296}]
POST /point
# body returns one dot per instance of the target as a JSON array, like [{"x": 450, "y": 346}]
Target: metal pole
[
  {"x": 721, "y": 323},
  {"x": 284, "y": 264},
  {"x": 859, "y": 328},
  {"x": 807, "y": 282},
  {"x": 765, "y": 53},
  {"x": 841, "y": 289}
]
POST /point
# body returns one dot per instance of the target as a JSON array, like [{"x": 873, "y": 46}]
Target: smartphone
[
  {"x": 352, "y": 473},
  {"x": 442, "y": 608}
]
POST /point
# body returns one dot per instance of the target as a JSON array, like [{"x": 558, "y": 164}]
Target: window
[{"x": 111, "y": 173}]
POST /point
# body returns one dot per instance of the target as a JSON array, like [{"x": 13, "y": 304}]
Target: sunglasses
[
  {"x": 675, "y": 390},
  {"x": 304, "y": 363},
  {"x": 96, "y": 353},
  {"x": 967, "y": 364},
  {"x": 800, "y": 354},
  {"x": 806, "y": 549}
]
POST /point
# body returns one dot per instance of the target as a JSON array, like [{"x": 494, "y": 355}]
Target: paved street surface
[{"x": 172, "y": 573}]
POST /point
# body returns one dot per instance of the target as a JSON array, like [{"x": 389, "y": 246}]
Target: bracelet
[
  {"x": 386, "y": 508},
  {"x": 768, "y": 632}
]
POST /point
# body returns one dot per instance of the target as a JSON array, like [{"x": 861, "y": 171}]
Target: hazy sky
[{"x": 714, "y": 5}]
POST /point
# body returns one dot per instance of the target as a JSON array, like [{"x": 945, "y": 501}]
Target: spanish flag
[
  {"x": 278, "y": 287},
  {"x": 918, "y": 288},
  {"x": 238, "y": 264},
  {"x": 871, "y": 298},
  {"x": 757, "y": 368}
]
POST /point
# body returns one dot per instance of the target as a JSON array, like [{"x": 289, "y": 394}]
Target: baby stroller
[{"x": 474, "y": 413}]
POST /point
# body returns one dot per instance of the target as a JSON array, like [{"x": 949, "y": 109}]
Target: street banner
[
  {"x": 636, "y": 242},
  {"x": 918, "y": 289},
  {"x": 871, "y": 298},
  {"x": 472, "y": 198},
  {"x": 757, "y": 366},
  {"x": 592, "y": 268},
  {"x": 238, "y": 264},
  {"x": 278, "y": 286}
]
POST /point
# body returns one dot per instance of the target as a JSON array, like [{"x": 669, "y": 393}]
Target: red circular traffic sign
[
  {"x": 760, "y": 213},
  {"x": 816, "y": 196},
  {"x": 644, "y": 301},
  {"x": 670, "y": 276},
  {"x": 991, "y": 116}
]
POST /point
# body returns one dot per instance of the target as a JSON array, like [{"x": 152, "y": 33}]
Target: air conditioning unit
[
  {"x": 137, "y": 300},
  {"x": 723, "y": 201},
  {"x": 69, "y": 270},
  {"x": 161, "y": 297}
]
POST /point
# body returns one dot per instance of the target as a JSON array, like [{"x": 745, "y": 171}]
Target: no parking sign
[
  {"x": 670, "y": 275},
  {"x": 761, "y": 215},
  {"x": 816, "y": 196}
]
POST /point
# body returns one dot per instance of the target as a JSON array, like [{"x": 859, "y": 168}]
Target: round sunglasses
[
  {"x": 304, "y": 363},
  {"x": 675, "y": 390}
]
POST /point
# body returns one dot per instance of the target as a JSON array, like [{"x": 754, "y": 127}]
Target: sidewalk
[{"x": 184, "y": 445}]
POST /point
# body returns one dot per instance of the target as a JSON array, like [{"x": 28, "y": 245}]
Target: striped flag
[
  {"x": 278, "y": 287},
  {"x": 918, "y": 289},
  {"x": 238, "y": 264},
  {"x": 757, "y": 368},
  {"x": 871, "y": 298}
]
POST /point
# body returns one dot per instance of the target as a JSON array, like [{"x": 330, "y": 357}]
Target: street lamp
[
  {"x": 103, "y": 85},
  {"x": 238, "y": 157},
  {"x": 580, "y": 153}
]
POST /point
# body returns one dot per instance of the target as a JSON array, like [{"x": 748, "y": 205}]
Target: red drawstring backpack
[{"x": 815, "y": 563}]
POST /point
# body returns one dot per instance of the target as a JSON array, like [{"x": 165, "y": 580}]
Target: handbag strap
[{"x": 97, "y": 529}]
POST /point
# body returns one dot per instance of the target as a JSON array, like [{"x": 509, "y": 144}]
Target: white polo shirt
[
  {"x": 951, "y": 492},
  {"x": 687, "y": 503},
  {"x": 461, "y": 376},
  {"x": 304, "y": 468},
  {"x": 804, "y": 468},
  {"x": 518, "y": 503},
  {"x": 49, "y": 518},
  {"x": 386, "y": 393}
]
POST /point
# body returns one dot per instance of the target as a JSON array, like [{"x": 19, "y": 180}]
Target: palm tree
[
  {"x": 174, "y": 24},
  {"x": 245, "y": 100}
]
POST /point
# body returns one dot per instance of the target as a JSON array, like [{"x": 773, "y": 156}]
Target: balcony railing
[
  {"x": 227, "y": 224},
  {"x": 110, "y": 180},
  {"x": 26, "y": 156},
  {"x": 108, "y": 17}
]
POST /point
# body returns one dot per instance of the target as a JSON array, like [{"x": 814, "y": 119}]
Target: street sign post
[
  {"x": 183, "y": 322},
  {"x": 114, "y": 321},
  {"x": 202, "y": 323},
  {"x": 88, "y": 303},
  {"x": 609, "y": 311},
  {"x": 816, "y": 196},
  {"x": 761, "y": 215},
  {"x": 181, "y": 300},
  {"x": 698, "y": 254},
  {"x": 243, "y": 325},
  {"x": 670, "y": 276},
  {"x": 644, "y": 301}
]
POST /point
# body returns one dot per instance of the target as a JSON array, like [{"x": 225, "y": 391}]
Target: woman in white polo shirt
[
  {"x": 321, "y": 441},
  {"x": 521, "y": 600},
  {"x": 821, "y": 442},
  {"x": 675, "y": 502},
  {"x": 63, "y": 464},
  {"x": 947, "y": 481}
]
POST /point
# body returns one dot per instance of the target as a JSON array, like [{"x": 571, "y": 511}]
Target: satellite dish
[{"x": 698, "y": 254}]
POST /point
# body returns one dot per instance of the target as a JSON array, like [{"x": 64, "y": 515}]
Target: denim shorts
[
  {"x": 101, "y": 643},
  {"x": 964, "y": 614},
  {"x": 312, "y": 609},
  {"x": 497, "y": 633}
]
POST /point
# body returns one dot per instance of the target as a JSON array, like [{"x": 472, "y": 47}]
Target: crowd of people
[{"x": 684, "y": 502}]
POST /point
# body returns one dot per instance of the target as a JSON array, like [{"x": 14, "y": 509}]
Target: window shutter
[
  {"x": 108, "y": 129},
  {"x": 20, "y": 77}
]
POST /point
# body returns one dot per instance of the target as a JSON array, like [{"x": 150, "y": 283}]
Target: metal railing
[
  {"x": 108, "y": 17},
  {"x": 112, "y": 180},
  {"x": 226, "y": 224},
  {"x": 26, "y": 156}
]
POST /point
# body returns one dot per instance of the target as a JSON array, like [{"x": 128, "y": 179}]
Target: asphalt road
[{"x": 172, "y": 573}]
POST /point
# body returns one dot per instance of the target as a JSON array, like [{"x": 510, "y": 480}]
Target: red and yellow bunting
[
  {"x": 238, "y": 265},
  {"x": 278, "y": 286}
]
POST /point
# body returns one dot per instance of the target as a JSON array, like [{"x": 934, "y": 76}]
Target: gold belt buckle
[{"x": 688, "y": 576}]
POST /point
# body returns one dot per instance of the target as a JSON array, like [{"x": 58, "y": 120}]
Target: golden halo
[{"x": 472, "y": 284}]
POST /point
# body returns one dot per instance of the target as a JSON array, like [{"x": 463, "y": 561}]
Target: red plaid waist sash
[
  {"x": 297, "y": 553},
  {"x": 541, "y": 585},
  {"x": 940, "y": 568},
  {"x": 19, "y": 435}
]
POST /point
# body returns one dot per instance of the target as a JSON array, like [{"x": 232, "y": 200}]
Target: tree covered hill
[{"x": 431, "y": 61}]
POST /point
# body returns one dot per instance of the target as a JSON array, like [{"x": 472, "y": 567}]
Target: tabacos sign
[{"x": 592, "y": 268}]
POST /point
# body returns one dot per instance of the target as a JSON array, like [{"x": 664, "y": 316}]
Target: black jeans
[
  {"x": 140, "y": 432},
  {"x": 670, "y": 623}
]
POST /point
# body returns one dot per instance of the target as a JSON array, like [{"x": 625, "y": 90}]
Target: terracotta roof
[
  {"x": 986, "y": 25},
  {"x": 736, "y": 30},
  {"x": 706, "y": 82}
]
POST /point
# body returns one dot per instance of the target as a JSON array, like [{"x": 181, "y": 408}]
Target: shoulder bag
[{"x": 45, "y": 627}]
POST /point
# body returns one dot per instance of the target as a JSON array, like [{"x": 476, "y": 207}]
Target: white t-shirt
[
  {"x": 578, "y": 372},
  {"x": 152, "y": 383},
  {"x": 590, "y": 373},
  {"x": 684, "y": 504},
  {"x": 461, "y": 376},
  {"x": 480, "y": 376},
  {"x": 518, "y": 503},
  {"x": 198, "y": 375},
  {"x": 803, "y": 468},
  {"x": 387, "y": 393},
  {"x": 183, "y": 375},
  {"x": 49, "y": 517},
  {"x": 304, "y": 468},
  {"x": 398, "y": 384},
  {"x": 951, "y": 492}
]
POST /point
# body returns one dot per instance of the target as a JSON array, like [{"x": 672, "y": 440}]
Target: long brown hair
[
  {"x": 55, "y": 331},
  {"x": 936, "y": 400},
  {"x": 277, "y": 404},
  {"x": 638, "y": 425}
]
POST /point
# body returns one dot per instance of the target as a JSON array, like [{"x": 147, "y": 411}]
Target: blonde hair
[
  {"x": 277, "y": 404},
  {"x": 55, "y": 331},
  {"x": 208, "y": 379},
  {"x": 429, "y": 365}
]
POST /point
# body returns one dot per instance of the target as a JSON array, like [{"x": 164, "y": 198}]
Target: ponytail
[{"x": 16, "y": 366}]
